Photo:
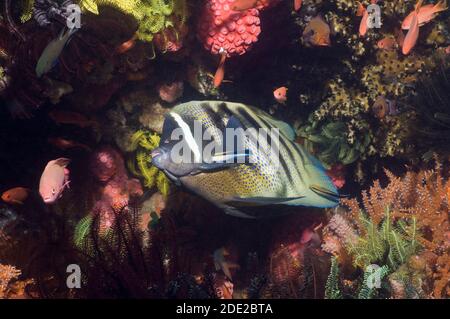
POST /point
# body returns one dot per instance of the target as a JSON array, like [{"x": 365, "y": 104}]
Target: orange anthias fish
[
  {"x": 16, "y": 195},
  {"x": 68, "y": 117},
  {"x": 54, "y": 180},
  {"x": 362, "y": 11},
  {"x": 241, "y": 5},
  {"x": 387, "y": 43},
  {"x": 413, "y": 32},
  {"x": 280, "y": 94},
  {"x": 426, "y": 14},
  {"x": 220, "y": 73},
  {"x": 317, "y": 32},
  {"x": 126, "y": 46},
  {"x": 65, "y": 144},
  {"x": 400, "y": 37}
]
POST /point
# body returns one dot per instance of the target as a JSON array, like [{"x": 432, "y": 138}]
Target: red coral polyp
[{"x": 222, "y": 29}]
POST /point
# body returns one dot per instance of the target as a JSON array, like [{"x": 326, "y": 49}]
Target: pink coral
[
  {"x": 108, "y": 166},
  {"x": 223, "y": 30},
  {"x": 104, "y": 163},
  {"x": 171, "y": 92}
]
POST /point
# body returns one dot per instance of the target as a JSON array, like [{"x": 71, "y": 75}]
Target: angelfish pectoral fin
[
  {"x": 261, "y": 201},
  {"x": 173, "y": 178},
  {"x": 326, "y": 193},
  {"x": 237, "y": 213}
]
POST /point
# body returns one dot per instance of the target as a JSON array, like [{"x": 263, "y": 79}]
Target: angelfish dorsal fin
[{"x": 284, "y": 127}]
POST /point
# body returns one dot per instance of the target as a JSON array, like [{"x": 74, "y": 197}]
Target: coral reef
[
  {"x": 154, "y": 18},
  {"x": 7, "y": 274},
  {"x": 10, "y": 285},
  {"x": 363, "y": 72},
  {"x": 374, "y": 116},
  {"x": 402, "y": 228},
  {"x": 330, "y": 143},
  {"x": 171, "y": 92},
  {"x": 432, "y": 115}
]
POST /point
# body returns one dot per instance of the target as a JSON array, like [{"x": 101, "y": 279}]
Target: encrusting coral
[
  {"x": 7, "y": 274},
  {"x": 364, "y": 70},
  {"x": 10, "y": 285}
]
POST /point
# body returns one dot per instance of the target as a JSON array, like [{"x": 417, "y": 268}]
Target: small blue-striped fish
[{"x": 242, "y": 188}]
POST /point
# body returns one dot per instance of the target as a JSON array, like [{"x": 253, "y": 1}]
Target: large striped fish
[{"x": 243, "y": 179}]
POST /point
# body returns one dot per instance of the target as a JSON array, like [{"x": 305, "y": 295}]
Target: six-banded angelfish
[{"x": 246, "y": 177}]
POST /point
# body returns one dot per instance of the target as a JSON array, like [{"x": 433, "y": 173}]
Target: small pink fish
[
  {"x": 317, "y": 33},
  {"x": 65, "y": 144},
  {"x": 242, "y": 5},
  {"x": 413, "y": 32},
  {"x": 280, "y": 94},
  {"x": 220, "y": 72},
  {"x": 54, "y": 180},
  {"x": 16, "y": 195},
  {"x": 400, "y": 37},
  {"x": 362, "y": 11},
  {"x": 387, "y": 43},
  {"x": 426, "y": 14}
]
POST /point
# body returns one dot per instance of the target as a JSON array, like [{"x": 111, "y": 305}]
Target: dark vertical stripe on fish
[{"x": 281, "y": 159}]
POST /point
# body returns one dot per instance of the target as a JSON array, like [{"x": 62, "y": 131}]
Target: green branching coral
[
  {"x": 369, "y": 283},
  {"x": 143, "y": 142},
  {"x": 332, "y": 290},
  {"x": 391, "y": 243}
]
